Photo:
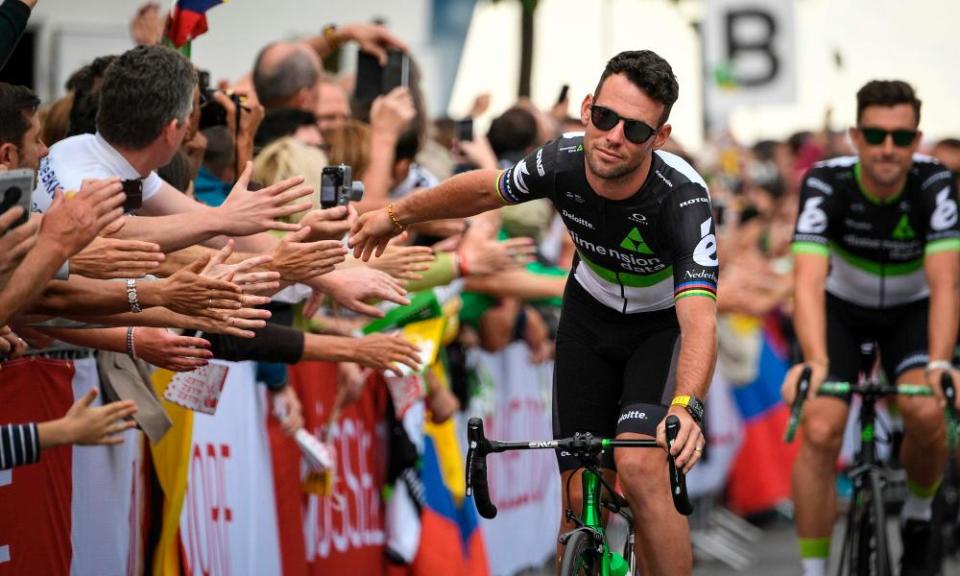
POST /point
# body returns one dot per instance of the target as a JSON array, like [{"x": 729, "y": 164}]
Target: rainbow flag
[{"x": 188, "y": 19}]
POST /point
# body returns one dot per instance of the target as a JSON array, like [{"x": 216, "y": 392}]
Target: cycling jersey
[
  {"x": 876, "y": 247},
  {"x": 639, "y": 254}
]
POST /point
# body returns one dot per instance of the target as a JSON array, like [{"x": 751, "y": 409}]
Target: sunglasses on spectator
[
  {"x": 877, "y": 136},
  {"x": 636, "y": 131}
]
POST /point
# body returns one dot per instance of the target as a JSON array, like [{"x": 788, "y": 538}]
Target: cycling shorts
[
  {"x": 899, "y": 331},
  {"x": 613, "y": 373}
]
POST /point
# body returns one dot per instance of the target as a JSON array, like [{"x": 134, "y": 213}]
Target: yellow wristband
[{"x": 681, "y": 401}]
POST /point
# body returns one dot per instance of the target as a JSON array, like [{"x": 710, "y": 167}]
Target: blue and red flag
[
  {"x": 188, "y": 19},
  {"x": 761, "y": 473}
]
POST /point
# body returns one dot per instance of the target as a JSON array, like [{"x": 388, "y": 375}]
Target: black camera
[
  {"x": 337, "y": 187},
  {"x": 212, "y": 113}
]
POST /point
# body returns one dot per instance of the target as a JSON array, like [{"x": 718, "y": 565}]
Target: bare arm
[
  {"x": 463, "y": 195},
  {"x": 697, "y": 316},
  {"x": 943, "y": 276},
  {"x": 810, "y": 317},
  {"x": 518, "y": 283}
]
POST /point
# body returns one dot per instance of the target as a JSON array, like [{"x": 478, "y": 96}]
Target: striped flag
[{"x": 188, "y": 20}]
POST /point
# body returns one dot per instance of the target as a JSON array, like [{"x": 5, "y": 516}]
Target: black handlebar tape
[
  {"x": 949, "y": 390},
  {"x": 477, "y": 448},
  {"x": 678, "y": 482}
]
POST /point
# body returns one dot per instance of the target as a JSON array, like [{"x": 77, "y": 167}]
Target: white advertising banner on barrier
[
  {"x": 525, "y": 485},
  {"x": 229, "y": 524}
]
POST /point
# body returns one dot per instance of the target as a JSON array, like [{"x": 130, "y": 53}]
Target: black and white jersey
[{"x": 638, "y": 254}]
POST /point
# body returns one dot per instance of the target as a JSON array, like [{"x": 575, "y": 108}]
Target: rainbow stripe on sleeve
[{"x": 695, "y": 288}]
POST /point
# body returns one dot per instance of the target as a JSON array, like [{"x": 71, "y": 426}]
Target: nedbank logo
[{"x": 634, "y": 242}]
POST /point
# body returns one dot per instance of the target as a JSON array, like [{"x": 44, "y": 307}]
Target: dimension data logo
[{"x": 635, "y": 243}]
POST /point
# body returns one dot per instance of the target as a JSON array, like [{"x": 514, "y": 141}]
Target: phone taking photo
[
  {"x": 464, "y": 130},
  {"x": 375, "y": 80},
  {"x": 134, "y": 192},
  {"x": 16, "y": 189}
]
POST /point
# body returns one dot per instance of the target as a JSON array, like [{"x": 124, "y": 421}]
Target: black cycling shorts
[
  {"x": 613, "y": 372},
  {"x": 900, "y": 333}
]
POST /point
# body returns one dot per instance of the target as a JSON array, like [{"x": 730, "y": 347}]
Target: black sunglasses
[
  {"x": 877, "y": 136},
  {"x": 636, "y": 131}
]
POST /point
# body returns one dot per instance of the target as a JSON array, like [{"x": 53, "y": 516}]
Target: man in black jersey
[
  {"x": 645, "y": 274},
  {"x": 876, "y": 245}
]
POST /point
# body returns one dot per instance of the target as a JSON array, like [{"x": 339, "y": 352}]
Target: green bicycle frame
[{"x": 611, "y": 563}]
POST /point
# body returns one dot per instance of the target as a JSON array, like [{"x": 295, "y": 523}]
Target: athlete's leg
[
  {"x": 924, "y": 450},
  {"x": 586, "y": 396},
  {"x": 814, "y": 474},
  {"x": 821, "y": 436},
  {"x": 661, "y": 533},
  {"x": 923, "y": 454}
]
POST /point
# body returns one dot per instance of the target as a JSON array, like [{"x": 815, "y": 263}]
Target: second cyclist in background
[{"x": 876, "y": 245}]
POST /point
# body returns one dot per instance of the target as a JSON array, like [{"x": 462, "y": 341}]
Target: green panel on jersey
[
  {"x": 945, "y": 245},
  {"x": 627, "y": 278},
  {"x": 876, "y": 268},
  {"x": 635, "y": 243},
  {"x": 903, "y": 230},
  {"x": 809, "y": 248}
]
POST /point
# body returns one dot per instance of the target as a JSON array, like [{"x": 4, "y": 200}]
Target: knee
[
  {"x": 642, "y": 472},
  {"x": 923, "y": 418},
  {"x": 822, "y": 435}
]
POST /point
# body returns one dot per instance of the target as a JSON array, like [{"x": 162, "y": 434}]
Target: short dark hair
[
  {"x": 143, "y": 90},
  {"x": 86, "y": 84},
  {"x": 887, "y": 93},
  {"x": 276, "y": 85},
  {"x": 17, "y": 105},
  {"x": 515, "y": 130},
  {"x": 952, "y": 143},
  {"x": 281, "y": 122},
  {"x": 647, "y": 71}
]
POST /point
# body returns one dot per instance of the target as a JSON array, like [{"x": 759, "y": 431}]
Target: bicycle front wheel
[
  {"x": 871, "y": 552},
  {"x": 580, "y": 556}
]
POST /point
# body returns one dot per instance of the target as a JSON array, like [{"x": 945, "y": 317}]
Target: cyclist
[
  {"x": 876, "y": 244},
  {"x": 646, "y": 273}
]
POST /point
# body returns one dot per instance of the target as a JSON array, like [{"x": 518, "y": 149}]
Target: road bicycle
[
  {"x": 866, "y": 549},
  {"x": 586, "y": 549}
]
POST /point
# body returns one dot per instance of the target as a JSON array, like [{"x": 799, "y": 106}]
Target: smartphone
[
  {"x": 134, "y": 191},
  {"x": 374, "y": 80},
  {"x": 464, "y": 130},
  {"x": 563, "y": 93},
  {"x": 16, "y": 189},
  {"x": 397, "y": 71}
]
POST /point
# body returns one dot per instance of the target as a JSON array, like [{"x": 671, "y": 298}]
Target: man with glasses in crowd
[
  {"x": 876, "y": 245},
  {"x": 645, "y": 275}
]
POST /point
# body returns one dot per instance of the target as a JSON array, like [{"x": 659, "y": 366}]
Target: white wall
[{"x": 238, "y": 29}]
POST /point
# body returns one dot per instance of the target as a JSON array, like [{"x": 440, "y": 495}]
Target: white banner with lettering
[
  {"x": 525, "y": 485},
  {"x": 229, "y": 523}
]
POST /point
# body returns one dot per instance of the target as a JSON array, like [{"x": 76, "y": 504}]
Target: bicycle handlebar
[
  {"x": 843, "y": 389},
  {"x": 678, "y": 481},
  {"x": 478, "y": 446},
  {"x": 477, "y": 449}
]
